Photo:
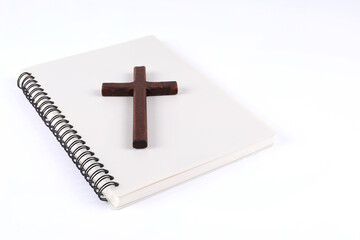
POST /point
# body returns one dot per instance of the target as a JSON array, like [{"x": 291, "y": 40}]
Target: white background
[{"x": 296, "y": 64}]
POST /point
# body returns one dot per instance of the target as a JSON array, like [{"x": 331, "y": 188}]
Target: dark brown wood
[{"x": 139, "y": 89}]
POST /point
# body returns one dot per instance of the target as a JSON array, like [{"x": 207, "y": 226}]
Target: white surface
[
  {"x": 295, "y": 64},
  {"x": 185, "y": 131}
]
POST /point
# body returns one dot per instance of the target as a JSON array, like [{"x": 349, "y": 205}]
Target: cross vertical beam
[{"x": 139, "y": 111}]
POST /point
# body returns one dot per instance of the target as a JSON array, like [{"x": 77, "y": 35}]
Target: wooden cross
[{"x": 139, "y": 89}]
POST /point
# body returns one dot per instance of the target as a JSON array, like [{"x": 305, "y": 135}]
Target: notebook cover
[{"x": 197, "y": 130}]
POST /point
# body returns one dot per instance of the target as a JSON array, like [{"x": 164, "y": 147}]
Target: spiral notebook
[{"x": 199, "y": 129}]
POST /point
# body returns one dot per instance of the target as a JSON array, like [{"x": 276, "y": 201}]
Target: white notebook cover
[{"x": 191, "y": 133}]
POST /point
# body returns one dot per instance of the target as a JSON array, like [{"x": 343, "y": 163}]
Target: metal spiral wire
[{"x": 93, "y": 171}]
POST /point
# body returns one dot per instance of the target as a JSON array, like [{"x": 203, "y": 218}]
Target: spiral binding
[{"x": 90, "y": 167}]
